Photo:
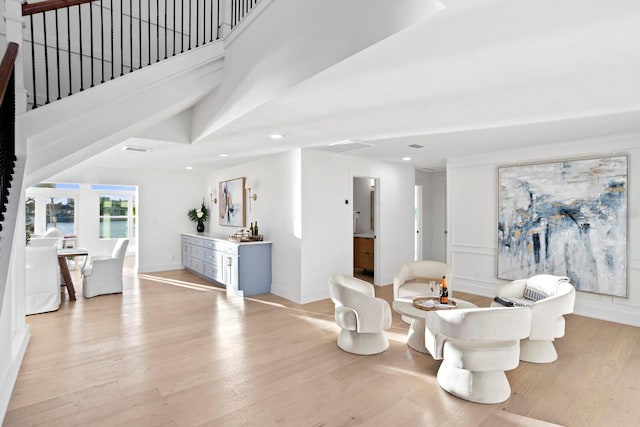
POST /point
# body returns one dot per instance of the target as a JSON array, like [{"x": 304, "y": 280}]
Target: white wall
[
  {"x": 163, "y": 201},
  {"x": 301, "y": 209},
  {"x": 472, "y": 220},
  {"x": 327, "y": 245},
  {"x": 276, "y": 182}
]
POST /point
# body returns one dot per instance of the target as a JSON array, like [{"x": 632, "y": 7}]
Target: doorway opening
[{"x": 364, "y": 227}]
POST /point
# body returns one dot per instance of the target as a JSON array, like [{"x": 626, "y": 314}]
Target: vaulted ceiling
[{"x": 475, "y": 77}]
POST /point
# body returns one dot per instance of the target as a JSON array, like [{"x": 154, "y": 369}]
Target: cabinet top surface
[{"x": 222, "y": 238}]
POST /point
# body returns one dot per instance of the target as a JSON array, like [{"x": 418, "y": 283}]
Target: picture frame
[
  {"x": 231, "y": 207},
  {"x": 566, "y": 218}
]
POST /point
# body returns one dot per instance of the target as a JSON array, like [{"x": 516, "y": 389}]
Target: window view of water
[
  {"x": 54, "y": 209},
  {"x": 113, "y": 227},
  {"x": 66, "y": 227}
]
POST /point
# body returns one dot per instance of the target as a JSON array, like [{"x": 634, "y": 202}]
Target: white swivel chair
[
  {"x": 557, "y": 299},
  {"x": 413, "y": 280},
  {"x": 362, "y": 317},
  {"x": 476, "y": 346},
  {"x": 103, "y": 275},
  {"x": 42, "y": 278}
]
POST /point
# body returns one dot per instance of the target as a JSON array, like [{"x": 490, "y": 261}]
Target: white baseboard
[
  {"x": 19, "y": 343},
  {"x": 285, "y": 292}
]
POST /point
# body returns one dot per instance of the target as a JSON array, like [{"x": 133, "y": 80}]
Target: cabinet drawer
[
  {"x": 209, "y": 255},
  {"x": 196, "y": 241},
  {"x": 229, "y": 248},
  {"x": 196, "y": 265},
  {"x": 211, "y": 271},
  {"x": 209, "y": 244},
  {"x": 197, "y": 252}
]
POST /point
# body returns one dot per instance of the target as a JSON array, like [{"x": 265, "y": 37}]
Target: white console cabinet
[{"x": 243, "y": 268}]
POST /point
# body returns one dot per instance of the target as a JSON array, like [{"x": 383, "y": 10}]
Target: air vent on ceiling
[
  {"x": 349, "y": 145},
  {"x": 135, "y": 148},
  {"x": 416, "y": 146}
]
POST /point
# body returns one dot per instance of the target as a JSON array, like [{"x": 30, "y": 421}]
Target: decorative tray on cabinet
[{"x": 243, "y": 235}]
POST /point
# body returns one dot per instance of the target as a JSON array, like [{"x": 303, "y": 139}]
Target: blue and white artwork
[{"x": 568, "y": 219}]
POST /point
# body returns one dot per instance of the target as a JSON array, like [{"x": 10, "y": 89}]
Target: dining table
[{"x": 63, "y": 254}]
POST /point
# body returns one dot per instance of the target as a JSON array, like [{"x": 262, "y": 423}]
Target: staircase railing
[
  {"x": 240, "y": 9},
  {"x": 7, "y": 126},
  {"x": 77, "y": 44}
]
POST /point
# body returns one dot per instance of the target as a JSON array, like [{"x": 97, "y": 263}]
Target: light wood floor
[{"x": 173, "y": 351}]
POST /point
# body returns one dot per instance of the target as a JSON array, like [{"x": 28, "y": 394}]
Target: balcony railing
[{"x": 77, "y": 44}]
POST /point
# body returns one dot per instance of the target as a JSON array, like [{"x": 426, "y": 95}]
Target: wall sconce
[
  {"x": 253, "y": 196},
  {"x": 214, "y": 196}
]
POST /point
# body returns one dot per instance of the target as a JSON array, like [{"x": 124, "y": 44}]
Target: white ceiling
[{"x": 476, "y": 77}]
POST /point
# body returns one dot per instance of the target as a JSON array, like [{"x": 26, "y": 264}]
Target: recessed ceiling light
[
  {"x": 188, "y": 168},
  {"x": 224, "y": 155},
  {"x": 276, "y": 136},
  {"x": 406, "y": 159}
]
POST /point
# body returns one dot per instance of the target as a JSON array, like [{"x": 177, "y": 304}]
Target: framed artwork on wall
[
  {"x": 231, "y": 211},
  {"x": 566, "y": 218}
]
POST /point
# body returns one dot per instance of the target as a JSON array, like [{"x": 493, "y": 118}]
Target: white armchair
[
  {"x": 42, "y": 278},
  {"x": 548, "y": 313},
  {"x": 362, "y": 317},
  {"x": 413, "y": 280},
  {"x": 103, "y": 275},
  {"x": 476, "y": 346}
]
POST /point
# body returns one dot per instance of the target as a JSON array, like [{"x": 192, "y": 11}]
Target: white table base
[{"x": 415, "y": 337}]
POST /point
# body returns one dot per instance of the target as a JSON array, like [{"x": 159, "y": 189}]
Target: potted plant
[{"x": 199, "y": 215}]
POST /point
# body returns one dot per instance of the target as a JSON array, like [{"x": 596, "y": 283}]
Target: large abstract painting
[
  {"x": 566, "y": 218},
  {"x": 231, "y": 208}
]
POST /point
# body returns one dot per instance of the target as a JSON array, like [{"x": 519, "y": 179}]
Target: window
[
  {"x": 115, "y": 216},
  {"x": 61, "y": 214},
  {"x": 30, "y": 214}
]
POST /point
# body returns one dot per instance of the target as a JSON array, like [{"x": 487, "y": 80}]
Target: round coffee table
[{"x": 415, "y": 337}]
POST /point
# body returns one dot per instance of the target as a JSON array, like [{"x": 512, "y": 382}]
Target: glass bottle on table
[
  {"x": 444, "y": 292},
  {"x": 251, "y": 230},
  {"x": 255, "y": 229}
]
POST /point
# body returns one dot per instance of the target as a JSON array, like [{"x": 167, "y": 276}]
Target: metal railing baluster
[
  {"x": 121, "y": 40},
  {"x": 112, "y": 56},
  {"x": 58, "y": 56},
  {"x": 197, "y": 22},
  {"x": 33, "y": 64},
  {"x": 80, "y": 33},
  {"x": 101, "y": 41},
  {"x": 157, "y": 30},
  {"x": 140, "y": 33},
  {"x": 91, "y": 27},
  {"x": 149, "y": 28},
  {"x": 130, "y": 35},
  {"x": 46, "y": 57},
  {"x": 69, "y": 48}
]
